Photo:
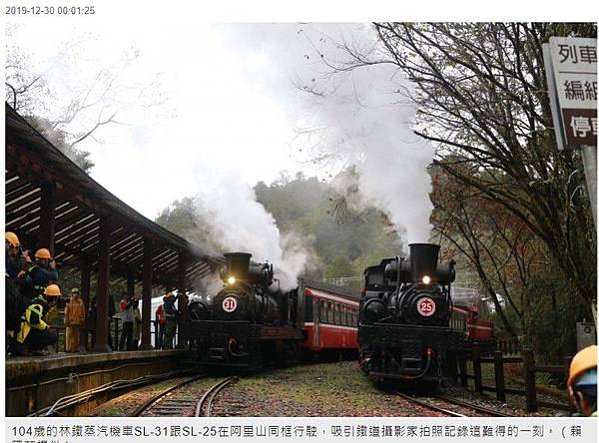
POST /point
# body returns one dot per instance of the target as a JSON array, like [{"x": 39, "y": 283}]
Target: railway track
[
  {"x": 204, "y": 406},
  {"x": 481, "y": 409},
  {"x": 442, "y": 404},
  {"x": 181, "y": 400}
]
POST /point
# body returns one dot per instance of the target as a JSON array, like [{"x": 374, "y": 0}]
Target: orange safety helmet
[
  {"x": 585, "y": 360},
  {"x": 43, "y": 253},
  {"x": 52, "y": 291},
  {"x": 12, "y": 238}
]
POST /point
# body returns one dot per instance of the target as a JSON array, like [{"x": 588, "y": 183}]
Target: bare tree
[
  {"x": 90, "y": 105},
  {"x": 482, "y": 100}
]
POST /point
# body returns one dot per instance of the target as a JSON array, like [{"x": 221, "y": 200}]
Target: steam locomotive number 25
[{"x": 404, "y": 326}]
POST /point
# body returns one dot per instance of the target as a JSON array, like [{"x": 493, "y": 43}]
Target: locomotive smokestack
[
  {"x": 423, "y": 260},
  {"x": 238, "y": 263}
]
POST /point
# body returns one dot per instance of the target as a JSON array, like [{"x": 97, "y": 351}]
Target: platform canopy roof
[{"x": 41, "y": 180}]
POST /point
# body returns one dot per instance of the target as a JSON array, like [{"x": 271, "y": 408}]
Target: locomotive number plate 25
[
  {"x": 229, "y": 304},
  {"x": 426, "y": 306}
]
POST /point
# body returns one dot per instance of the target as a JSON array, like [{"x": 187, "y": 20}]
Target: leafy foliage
[{"x": 339, "y": 247}]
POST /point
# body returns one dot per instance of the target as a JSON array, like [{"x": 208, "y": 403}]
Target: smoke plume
[
  {"x": 241, "y": 224},
  {"x": 347, "y": 117}
]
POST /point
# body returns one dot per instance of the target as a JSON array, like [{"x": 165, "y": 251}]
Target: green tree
[
  {"x": 189, "y": 219},
  {"x": 339, "y": 247}
]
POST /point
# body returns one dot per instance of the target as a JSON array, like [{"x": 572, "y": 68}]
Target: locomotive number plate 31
[
  {"x": 426, "y": 306},
  {"x": 229, "y": 304}
]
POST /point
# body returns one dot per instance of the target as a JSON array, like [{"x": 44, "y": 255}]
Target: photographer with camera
[
  {"x": 17, "y": 260},
  {"x": 35, "y": 333},
  {"x": 40, "y": 274},
  {"x": 16, "y": 263}
]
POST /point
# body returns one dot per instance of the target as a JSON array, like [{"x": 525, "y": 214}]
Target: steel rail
[
  {"x": 147, "y": 405},
  {"x": 429, "y": 405},
  {"x": 484, "y": 410},
  {"x": 84, "y": 396},
  {"x": 210, "y": 395}
]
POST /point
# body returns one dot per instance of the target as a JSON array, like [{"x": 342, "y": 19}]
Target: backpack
[{"x": 16, "y": 304}]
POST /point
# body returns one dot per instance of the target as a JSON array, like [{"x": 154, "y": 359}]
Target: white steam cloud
[
  {"x": 353, "y": 117},
  {"x": 364, "y": 128},
  {"x": 241, "y": 224}
]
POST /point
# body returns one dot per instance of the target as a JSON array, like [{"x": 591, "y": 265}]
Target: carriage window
[
  {"x": 323, "y": 312},
  {"x": 337, "y": 313},
  {"x": 308, "y": 315},
  {"x": 330, "y": 312}
]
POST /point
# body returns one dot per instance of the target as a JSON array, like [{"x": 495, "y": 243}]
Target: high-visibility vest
[{"x": 32, "y": 318}]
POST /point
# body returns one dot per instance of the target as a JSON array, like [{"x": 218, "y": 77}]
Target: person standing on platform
[
  {"x": 90, "y": 320},
  {"x": 16, "y": 302},
  {"x": 74, "y": 320},
  {"x": 109, "y": 319},
  {"x": 171, "y": 314},
  {"x": 126, "y": 340},
  {"x": 41, "y": 273},
  {"x": 136, "y": 324},
  {"x": 161, "y": 324},
  {"x": 17, "y": 260}
]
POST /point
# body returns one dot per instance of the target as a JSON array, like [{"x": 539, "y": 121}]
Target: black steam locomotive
[
  {"x": 405, "y": 311},
  {"x": 248, "y": 324}
]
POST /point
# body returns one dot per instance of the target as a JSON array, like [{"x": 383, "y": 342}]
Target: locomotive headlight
[
  {"x": 426, "y": 279},
  {"x": 231, "y": 280}
]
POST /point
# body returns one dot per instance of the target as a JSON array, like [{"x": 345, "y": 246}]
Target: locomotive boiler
[{"x": 404, "y": 323}]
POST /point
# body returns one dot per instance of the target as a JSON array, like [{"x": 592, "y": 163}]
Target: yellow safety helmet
[
  {"x": 43, "y": 253},
  {"x": 52, "y": 291},
  {"x": 12, "y": 238},
  {"x": 582, "y": 362}
]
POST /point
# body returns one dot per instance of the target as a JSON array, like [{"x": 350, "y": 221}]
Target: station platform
[{"x": 33, "y": 383}]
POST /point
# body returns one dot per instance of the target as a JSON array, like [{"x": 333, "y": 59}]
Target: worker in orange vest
[{"x": 74, "y": 320}]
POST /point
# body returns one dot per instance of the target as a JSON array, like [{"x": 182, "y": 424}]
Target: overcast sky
[
  {"x": 232, "y": 105},
  {"x": 231, "y": 109},
  {"x": 221, "y": 115}
]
